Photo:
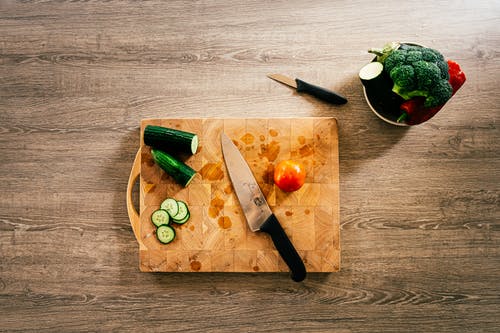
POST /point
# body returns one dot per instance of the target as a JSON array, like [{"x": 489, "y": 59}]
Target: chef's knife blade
[
  {"x": 255, "y": 208},
  {"x": 302, "y": 86}
]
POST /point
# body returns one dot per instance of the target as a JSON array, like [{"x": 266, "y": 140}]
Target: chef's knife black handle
[
  {"x": 285, "y": 247},
  {"x": 321, "y": 93}
]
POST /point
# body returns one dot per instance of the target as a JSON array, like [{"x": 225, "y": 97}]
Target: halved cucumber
[
  {"x": 160, "y": 217},
  {"x": 183, "y": 213},
  {"x": 370, "y": 72},
  {"x": 171, "y": 206},
  {"x": 165, "y": 234},
  {"x": 170, "y": 139},
  {"x": 178, "y": 170}
]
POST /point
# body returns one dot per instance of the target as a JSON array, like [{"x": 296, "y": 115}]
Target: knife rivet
[{"x": 258, "y": 201}]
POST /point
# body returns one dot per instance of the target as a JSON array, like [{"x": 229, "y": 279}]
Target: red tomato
[{"x": 289, "y": 175}]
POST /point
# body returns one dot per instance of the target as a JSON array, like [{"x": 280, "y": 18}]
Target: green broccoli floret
[
  {"x": 404, "y": 78},
  {"x": 430, "y": 55},
  {"x": 413, "y": 56},
  {"x": 443, "y": 67},
  {"x": 419, "y": 71},
  {"x": 427, "y": 74},
  {"x": 393, "y": 60},
  {"x": 439, "y": 94}
]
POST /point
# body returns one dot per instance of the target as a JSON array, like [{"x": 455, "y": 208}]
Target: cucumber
[
  {"x": 171, "y": 206},
  {"x": 371, "y": 73},
  {"x": 178, "y": 170},
  {"x": 378, "y": 90},
  {"x": 183, "y": 213},
  {"x": 165, "y": 234},
  {"x": 160, "y": 217},
  {"x": 170, "y": 139}
]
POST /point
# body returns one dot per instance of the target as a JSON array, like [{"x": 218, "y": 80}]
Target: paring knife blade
[
  {"x": 302, "y": 86},
  {"x": 255, "y": 208}
]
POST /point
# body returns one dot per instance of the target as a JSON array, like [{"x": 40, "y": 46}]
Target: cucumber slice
[
  {"x": 165, "y": 234},
  {"x": 183, "y": 214},
  {"x": 184, "y": 220},
  {"x": 171, "y": 206},
  {"x": 159, "y": 217}
]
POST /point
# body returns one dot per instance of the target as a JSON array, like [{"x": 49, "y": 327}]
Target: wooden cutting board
[{"x": 217, "y": 238}]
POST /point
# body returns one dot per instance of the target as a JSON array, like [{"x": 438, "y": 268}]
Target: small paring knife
[
  {"x": 304, "y": 87},
  {"x": 255, "y": 208}
]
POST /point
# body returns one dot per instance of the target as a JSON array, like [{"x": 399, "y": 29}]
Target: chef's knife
[
  {"x": 302, "y": 86},
  {"x": 255, "y": 208}
]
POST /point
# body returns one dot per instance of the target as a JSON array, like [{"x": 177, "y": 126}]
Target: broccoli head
[{"x": 419, "y": 71}]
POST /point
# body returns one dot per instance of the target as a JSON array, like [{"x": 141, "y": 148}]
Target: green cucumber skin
[
  {"x": 168, "y": 139},
  {"x": 178, "y": 170}
]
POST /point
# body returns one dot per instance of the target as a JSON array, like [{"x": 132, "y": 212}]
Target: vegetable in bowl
[
  {"x": 413, "y": 73},
  {"x": 419, "y": 71}
]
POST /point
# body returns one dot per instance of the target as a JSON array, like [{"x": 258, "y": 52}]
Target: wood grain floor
[{"x": 420, "y": 224}]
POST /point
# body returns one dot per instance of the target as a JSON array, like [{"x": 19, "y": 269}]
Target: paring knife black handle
[
  {"x": 321, "y": 93},
  {"x": 285, "y": 247}
]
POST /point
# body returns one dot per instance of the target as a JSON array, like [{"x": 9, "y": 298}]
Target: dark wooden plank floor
[{"x": 419, "y": 206}]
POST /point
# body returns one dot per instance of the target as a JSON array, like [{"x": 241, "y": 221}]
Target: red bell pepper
[{"x": 413, "y": 110}]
